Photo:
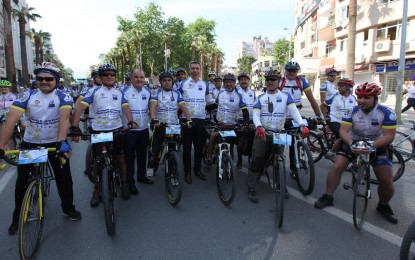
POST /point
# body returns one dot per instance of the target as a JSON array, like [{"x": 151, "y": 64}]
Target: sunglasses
[
  {"x": 332, "y": 75},
  {"x": 271, "y": 79},
  {"x": 292, "y": 71},
  {"x": 47, "y": 79},
  {"x": 108, "y": 74}
]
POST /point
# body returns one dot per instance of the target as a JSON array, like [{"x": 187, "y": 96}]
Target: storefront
[{"x": 387, "y": 72}]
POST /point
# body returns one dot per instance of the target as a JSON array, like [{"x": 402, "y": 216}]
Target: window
[
  {"x": 330, "y": 50},
  {"x": 314, "y": 37},
  {"x": 343, "y": 44},
  {"x": 365, "y": 35},
  {"x": 302, "y": 45},
  {"x": 392, "y": 31},
  {"x": 386, "y": 1},
  {"x": 344, "y": 12},
  {"x": 266, "y": 64}
]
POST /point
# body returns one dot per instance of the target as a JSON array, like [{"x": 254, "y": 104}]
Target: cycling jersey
[
  {"x": 329, "y": 88},
  {"x": 290, "y": 86},
  {"x": 138, "y": 102},
  {"x": 411, "y": 92},
  {"x": 167, "y": 105},
  {"x": 249, "y": 97},
  {"x": 229, "y": 104},
  {"x": 273, "y": 117},
  {"x": 108, "y": 105},
  {"x": 215, "y": 92},
  {"x": 369, "y": 125},
  {"x": 196, "y": 94},
  {"x": 6, "y": 100},
  {"x": 177, "y": 84},
  {"x": 340, "y": 105},
  {"x": 42, "y": 114}
]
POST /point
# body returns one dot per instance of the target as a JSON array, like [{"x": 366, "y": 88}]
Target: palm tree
[
  {"x": 23, "y": 14},
  {"x": 137, "y": 35},
  {"x": 10, "y": 65},
  {"x": 38, "y": 39}
]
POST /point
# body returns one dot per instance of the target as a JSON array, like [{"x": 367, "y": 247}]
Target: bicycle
[
  {"x": 360, "y": 171},
  {"x": 33, "y": 205},
  {"x": 320, "y": 140},
  {"x": 107, "y": 171},
  {"x": 173, "y": 163},
  {"x": 404, "y": 143},
  {"x": 17, "y": 138},
  {"x": 407, "y": 250}
]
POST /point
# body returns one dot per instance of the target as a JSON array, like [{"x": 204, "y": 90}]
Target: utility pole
[
  {"x": 351, "y": 39},
  {"x": 401, "y": 67}
]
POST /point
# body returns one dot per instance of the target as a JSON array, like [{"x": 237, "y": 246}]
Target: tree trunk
[
  {"x": 124, "y": 63},
  {"x": 137, "y": 54},
  {"x": 23, "y": 50},
  {"x": 351, "y": 40},
  {"x": 202, "y": 54},
  {"x": 130, "y": 62},
  {"x": 10, "y": 65},
  {"x": 38, "y": 43},
  {"x": 193, "y": 52}
]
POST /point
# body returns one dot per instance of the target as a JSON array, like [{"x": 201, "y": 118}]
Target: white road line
[{"x": 6, "y": 178}]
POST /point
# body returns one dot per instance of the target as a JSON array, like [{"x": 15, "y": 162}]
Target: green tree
[
  {"x": 281, "y": 49},
  {"x": 244, "y": 64},
  {"x": 38, "y": 39}
]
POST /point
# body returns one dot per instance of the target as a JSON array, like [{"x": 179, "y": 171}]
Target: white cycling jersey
[
  {"x": 249, "y": 98},
  {"x": 42, "y": 114},
  {"x": 138, "y": 102},
  {"x": 215, "y": 92},
  {"x": 108, "y": 105},
  {"x": 411, "y": 92},
  {"x": 229, "y": 104},
  {"x": 340, "y": 105},
  {"x": 196, "y": 95},
  {"x": 329, "y": 88},
  {"x": 369, "y": 125},
  {"x": 6, "y": 100},
  {"x": 291, "y": 87},
  {"x": 167, "y": 105},
  {"x": 272, "y": 117}
]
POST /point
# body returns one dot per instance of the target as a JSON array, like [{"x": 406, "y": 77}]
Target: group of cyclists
[{"x": 51, "y": 114}]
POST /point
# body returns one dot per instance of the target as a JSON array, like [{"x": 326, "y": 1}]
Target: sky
[{"x": 83, "y": 29}]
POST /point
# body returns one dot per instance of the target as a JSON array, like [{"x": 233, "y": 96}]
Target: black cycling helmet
[
  {"x": 229, "y": 76},
  {"x": 180, "y": 70},
  {"x": 127, "y": 75},
  {"x": 217, "y": 76},
  {"x": 273, "y": 73},
  {"x": 292, "y": 65},
  {"x": 94, "y": 73},
  {"x": 243, "y": 75},
  {"x": 106, "y": 67},
  {"x": 165, "y": 74}
]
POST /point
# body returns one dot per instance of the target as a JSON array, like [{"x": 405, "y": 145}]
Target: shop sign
[{"x": 393, "y": 66}]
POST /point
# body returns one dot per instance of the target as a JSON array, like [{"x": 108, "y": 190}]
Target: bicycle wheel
[
  {"x": 89, "y": 163},
  {"x": 31, "y": 220},
  {"x": 408, "y": 244},
  {"x": 361, "y": 196},
  {"x": 398, "y": 167},
  {"x": 278, "y": 169},
  {"x": 225, "y": 179},
  {"x": 108, "y": 199},
  {"x": 316, "y": 146},
  {"x": 405, "y": 145},
  {"x": 306, "y": 172},
  {"x": 173, "y": 176}
]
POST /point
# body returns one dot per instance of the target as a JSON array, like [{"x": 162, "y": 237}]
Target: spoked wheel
[
  {"x": 107, "y": 195},
  {"x": 404, "y": 145},
  {"x": 316, "y": 146},
  {"x": 408, "y": 244},
  {"x": 89, "y": 163},
  {"x": 31, "y": 221},
  {"x": 361, "y": 196},
  {"x": 173, "y": 176},
  {"x": 225, "y": 179},
  {"x": 278, "y": 169},
  {"x": 305, "y": 175},
  {"x": 398, "y": 167}
]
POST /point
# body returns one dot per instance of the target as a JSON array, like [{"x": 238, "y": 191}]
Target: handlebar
[
  {"x": 50, "y": 150},
  {"x": 364, "y": 146}
]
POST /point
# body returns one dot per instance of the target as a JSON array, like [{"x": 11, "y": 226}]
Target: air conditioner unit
[
  {"x": 410, "y": 46},
  {"x": 382, "y": 46}
]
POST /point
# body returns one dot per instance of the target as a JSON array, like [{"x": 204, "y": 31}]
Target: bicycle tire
[
  {"x": 306, "y": 173},
  {"x": 226, "y": 182},
  {"x": 408, "y": 241},
  {"x": 108, "y": 199},
  {"x": 279, "y": 174},
  {"x": 316, "y": 146},
  {"x": 173, "y": 177},
  {"x": 360, "y": 196},
  {"x": 405, "y": 145},
  {"x": 31, "y": 220},
  {"x": 89, "y": 164},
  {"x": 398, "y": 167}
]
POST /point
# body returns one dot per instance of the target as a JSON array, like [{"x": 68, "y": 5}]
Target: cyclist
[
  {"x": 340, "y": 104},
  {"x": 163, "y": 109},
  {"x": 228, "y": 102},
  {"x": 218, "y": 86},
  {"x": 246, "y": 139},
  {"x": 377, "y": 123},
  {"x": 411, "y": 98},
  {"x": 138, "y": 97},
  {"x": 196, "y": 94},
  {"x": 109, "y": 103},
  {"x": 180, "y": 76},
  {"x": 47, "y": 112},
  {"x": 211, "y": 83},
  {"x": 295, "y": 86},
  {"x": 328, "y": 89},
  {"x": 62, "y": 86},
  {"x": 269, "y": 113},
  {"x": 6, "y": 100},
  {"x": 127, "y": 81}
]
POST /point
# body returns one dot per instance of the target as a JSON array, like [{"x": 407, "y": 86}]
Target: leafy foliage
[
  {"x": 281, "y": 49},
  {"x": 244, "y": 63}
]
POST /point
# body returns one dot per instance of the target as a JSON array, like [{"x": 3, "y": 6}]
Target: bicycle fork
[{"x": 224, "y": 148}]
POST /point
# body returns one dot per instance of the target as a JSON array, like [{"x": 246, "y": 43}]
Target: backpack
[{"x": 297, "y": 80}]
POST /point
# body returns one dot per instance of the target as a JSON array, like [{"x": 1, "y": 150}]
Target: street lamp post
[
  {"x": 166, "y": 51},
  {"x": 289, "y": 43}
]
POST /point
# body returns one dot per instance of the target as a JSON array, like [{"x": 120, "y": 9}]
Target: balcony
[
  {"x": 326, "y": 34},
  {"x": 326, "y": 8}
]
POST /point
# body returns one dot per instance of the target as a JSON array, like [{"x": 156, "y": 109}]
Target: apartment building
[
  {"x": 260, "y": 46},
  {"x": 321, "y": 33}
]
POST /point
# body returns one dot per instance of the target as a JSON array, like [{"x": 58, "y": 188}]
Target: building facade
[
  {"x": 321, "y": 33},
  {"x": 258, "y": 47}
]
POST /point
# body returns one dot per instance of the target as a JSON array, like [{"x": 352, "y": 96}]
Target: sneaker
[
  {"x": 324, "y": 201},
  {"x": 73, "y": 214},
  {"x": 330, "y": 155},
  {"x": 13, "y": 228},
  {"x": 387, "y": 212},
  {"x": 95, "y": 200},
  {"x": 125, "y": 191},
  {"x": 252, "y": 196}
]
